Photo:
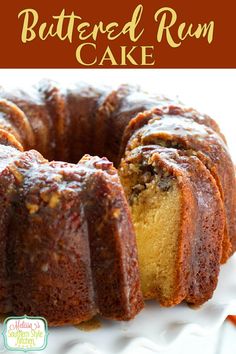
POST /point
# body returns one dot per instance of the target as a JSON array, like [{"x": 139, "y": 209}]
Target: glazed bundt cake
[{"x": 68, "y": 230}]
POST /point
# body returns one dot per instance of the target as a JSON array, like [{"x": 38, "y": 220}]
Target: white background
[{"x": 210, "y": 91}]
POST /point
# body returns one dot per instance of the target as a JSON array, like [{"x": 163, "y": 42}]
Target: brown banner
[{"x": 118, "y": 34}]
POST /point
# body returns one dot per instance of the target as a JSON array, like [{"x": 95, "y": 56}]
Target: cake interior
[{"x": 155, "y": 201}]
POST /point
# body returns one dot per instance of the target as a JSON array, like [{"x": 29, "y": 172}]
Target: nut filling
[{"x": 149, "y": 174}]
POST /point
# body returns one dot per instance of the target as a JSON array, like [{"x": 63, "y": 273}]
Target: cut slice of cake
[
  {"x": 197, "y": 135},
  {"x": 178, "y": 217}
]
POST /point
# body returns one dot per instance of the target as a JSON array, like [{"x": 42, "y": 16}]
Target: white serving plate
[{"x": 154, "y": 329}]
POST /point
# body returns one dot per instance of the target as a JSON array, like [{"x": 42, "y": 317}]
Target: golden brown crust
[
  {"x": 84, "y": 102},
  {"x": 69, "y": 261},
  {"x": 55, "y": 99},
  {"x": 32, "y": 105},
  {"x": 13, "y": 118},
  {"x": 8, "y": 139}
]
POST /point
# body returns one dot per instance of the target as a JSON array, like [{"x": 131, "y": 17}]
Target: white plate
[{"x": 154, "y": 329}]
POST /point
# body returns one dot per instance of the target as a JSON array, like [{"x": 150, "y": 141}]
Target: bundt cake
[{"x": 68, "y": 230}]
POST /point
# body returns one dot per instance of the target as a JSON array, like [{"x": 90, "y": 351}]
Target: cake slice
[
  {"x": 197, "y": 135},
  {"x": 178, "y": 217}
]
